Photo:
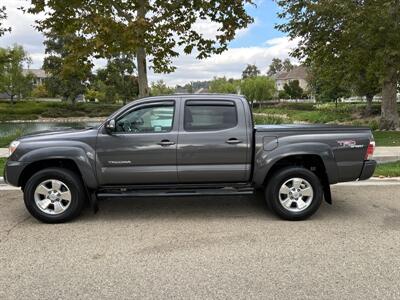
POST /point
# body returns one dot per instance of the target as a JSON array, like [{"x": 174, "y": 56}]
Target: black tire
[
  {"x": 67, "y": 177},
  {"x": 279, "y": 178}
]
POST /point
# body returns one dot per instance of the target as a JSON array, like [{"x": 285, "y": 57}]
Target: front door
[
  {"x": 142, "y": 149},
  {"x": 213, "y": 142}
]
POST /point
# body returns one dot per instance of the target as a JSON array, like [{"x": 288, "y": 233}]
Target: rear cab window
[{"x": 209, "y": 115}]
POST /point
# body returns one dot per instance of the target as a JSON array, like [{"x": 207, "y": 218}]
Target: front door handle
[
  {"x": 233, "y": 141},
  {"x": 166, "y": 143}
]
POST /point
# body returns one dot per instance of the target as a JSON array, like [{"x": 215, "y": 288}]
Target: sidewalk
[{"x": 381, "y": 155}]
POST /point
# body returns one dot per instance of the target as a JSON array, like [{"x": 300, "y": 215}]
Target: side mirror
[{"x": 110, "y": 126}]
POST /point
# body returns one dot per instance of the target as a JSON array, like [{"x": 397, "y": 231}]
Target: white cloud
[{"x": 229, "y": 64}]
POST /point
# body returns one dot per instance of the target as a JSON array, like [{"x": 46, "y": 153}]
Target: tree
[
  {"x": 287, "y": 65},
  {"x": 224, "y": 86},
  {"x": 250, "y": 71},
  {"x": 3, "y": 16},
  {"x": 293, "y": 89},
  {"x": 358, "y": 34},
  {"x": 160, "y": 88},
  {"x": 12, "y": 80},
  {"x": 328, "y": 84},
  {"x": 68, "y": 72},
  {"x": 277, "y": 66},
  {"x": 106, "y": 27},
  {"x": 117, "y": 79},
  {"x": 39, "y": 91},
  {"x": 258, "y": 88}
]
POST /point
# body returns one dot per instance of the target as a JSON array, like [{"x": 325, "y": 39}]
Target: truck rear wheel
[
  {"x": 54, "y": 195},
  {"x": 294, "y": 193}
]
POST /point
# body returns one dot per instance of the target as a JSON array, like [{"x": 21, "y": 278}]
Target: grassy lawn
[
  {"x": 387, "y": 138},
  {"x": 2, "y": 163},
  {"x": 388, "y": 170},
  {"x": 32, "y": 110}
]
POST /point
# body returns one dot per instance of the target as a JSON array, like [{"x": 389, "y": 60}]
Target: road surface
[{"x": 198, "y": 248}]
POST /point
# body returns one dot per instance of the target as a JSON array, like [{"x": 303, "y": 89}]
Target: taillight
[{"x": 370, "y": 151}]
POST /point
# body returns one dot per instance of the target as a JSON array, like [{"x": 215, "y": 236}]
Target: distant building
[
  {"x": 40, "y": 75},
  {"x": 299, "y": 73}
]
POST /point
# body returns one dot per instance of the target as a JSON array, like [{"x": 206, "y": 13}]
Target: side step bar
[{"x": 125, "y": 193}]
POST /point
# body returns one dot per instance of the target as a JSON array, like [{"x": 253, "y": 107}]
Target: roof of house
[
  {"x": 299, "y": 72},
  {"x": 40, "y": 73}
]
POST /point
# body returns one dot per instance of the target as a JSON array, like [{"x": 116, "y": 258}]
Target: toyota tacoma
[{"x": 183, "y": 145}]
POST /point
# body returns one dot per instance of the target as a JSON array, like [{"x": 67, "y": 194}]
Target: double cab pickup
[{"x": 184, "y": 145}]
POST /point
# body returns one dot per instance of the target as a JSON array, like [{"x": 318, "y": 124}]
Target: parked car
[{"x": 183, "y": 145}]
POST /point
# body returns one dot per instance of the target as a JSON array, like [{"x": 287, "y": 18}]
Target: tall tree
[
  {"x": 277, "y": 66},
  {"x": 293, "y": 89},
  {"x": 116, "y": 80},
  {"x": 142, "y": 27},
  {"x": 68, "y": 72},
  {"x": 250, "y": 71},
  {"x": 3, "y": 16},
  {"x": 12, "y": 80},
  {"x": 259, "y": 88},
  {"x": 356, "y": 33}
]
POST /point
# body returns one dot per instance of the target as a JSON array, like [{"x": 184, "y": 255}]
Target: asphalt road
[{"x": 198, "y": 248}]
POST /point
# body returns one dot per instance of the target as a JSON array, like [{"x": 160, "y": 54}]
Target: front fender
[
  {"x": 265, "y": 160},
  {"x": 82, "y": 156}
]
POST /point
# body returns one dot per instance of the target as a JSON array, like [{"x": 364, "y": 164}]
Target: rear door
[{"x": 213, "y": 141}]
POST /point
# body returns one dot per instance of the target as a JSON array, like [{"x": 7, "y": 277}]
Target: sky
[{"x": 257, "y": 44}]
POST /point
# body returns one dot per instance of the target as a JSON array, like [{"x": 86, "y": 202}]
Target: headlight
[{"x": 13, "y": 146}]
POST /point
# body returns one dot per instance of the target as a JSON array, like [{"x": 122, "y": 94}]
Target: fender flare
[
  {"x": 265, "y": 160},
  {"x": 83, "y": 158}
]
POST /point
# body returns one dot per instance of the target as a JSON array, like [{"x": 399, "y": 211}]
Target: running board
[{"x": 124, "y": 193}]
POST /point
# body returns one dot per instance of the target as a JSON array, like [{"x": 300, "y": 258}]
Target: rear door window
[{"x": 209, "y": 115}]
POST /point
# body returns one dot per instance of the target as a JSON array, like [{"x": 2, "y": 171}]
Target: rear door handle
[
  {"x": 166, "y": 143},
  {"x": 233, "y": 141}
]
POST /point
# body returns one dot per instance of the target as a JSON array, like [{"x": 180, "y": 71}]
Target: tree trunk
[
  {"x": 389, "y": 114},
  {"x": 368, "y": 109},
  {"x": 12, "y": 98},
  {"x": 141, "y": 57}
]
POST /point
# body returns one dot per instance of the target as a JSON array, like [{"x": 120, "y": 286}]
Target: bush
[{"x": 40, "y": 91}]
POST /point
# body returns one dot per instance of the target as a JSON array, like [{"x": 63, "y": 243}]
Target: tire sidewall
[
  {"x": 67, "y": 177},
  {"x": 281, "y": 177}
]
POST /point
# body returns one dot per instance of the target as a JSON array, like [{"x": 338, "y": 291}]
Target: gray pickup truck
[{"x": 182, "y": 145}]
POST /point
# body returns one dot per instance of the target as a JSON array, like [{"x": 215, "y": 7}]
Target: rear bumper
[
  {"x": 368, "y": 169},
  {"x": 12, "y": 172}
]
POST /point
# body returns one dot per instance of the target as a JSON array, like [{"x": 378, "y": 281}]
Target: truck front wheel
[
  {"x": 294, "y": 193},
  {"x": 54, "y": 195}
]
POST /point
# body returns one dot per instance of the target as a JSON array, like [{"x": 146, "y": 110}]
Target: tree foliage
[
  {"x": 277, "y": 66},
  {"x": 160, "y": 88},
  {"x": 102, "y": 28},
  {"x": 259, "y": 88},
  {"x": 250, "y": 71},
  {"x": 13, "y": 82},
  {"x": 293, "y": 89},
  {"x": 3, "y": 17},
  {"x": 223, "y": 85},
  {"x": 116, "y": 81},
  {"x": 361, "y": 37},
  {"x": 68, "y": 72}
]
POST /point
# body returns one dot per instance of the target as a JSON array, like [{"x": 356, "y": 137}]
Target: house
[
  {"x": 39, "y": 75},
  {"x": 299, "y": 73}
]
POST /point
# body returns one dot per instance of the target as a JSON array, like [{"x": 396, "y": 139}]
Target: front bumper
[
  {"x": 12, "y": 172},
  {"x": 368, "y": 169}
]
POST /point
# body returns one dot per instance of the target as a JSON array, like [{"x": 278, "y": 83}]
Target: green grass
[
  {"x": 32, "y": 110},
  {"x": 387, "y": 138},
  {"x": 388, "y": 170},
  {"x": 2, "y": 164}
]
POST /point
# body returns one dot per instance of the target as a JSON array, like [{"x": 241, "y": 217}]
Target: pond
[{"x": 17, "y": 129}]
